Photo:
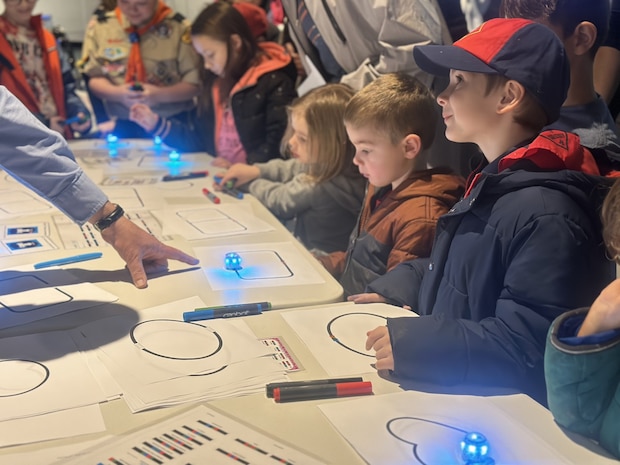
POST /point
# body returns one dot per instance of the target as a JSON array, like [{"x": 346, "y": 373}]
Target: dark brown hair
[
  {"x": 566, "y": 14},
  {"x": 220, "y": 21},
  {"x": 529, "y": 114}
]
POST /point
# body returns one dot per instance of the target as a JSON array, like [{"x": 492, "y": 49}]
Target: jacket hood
[
  {"x": 554, "y": 160},
  {"x": 553, "y": 151},
  {"x": 273, "y": 58},
  {"x": 550, "y": 155},
  {"x": 439, "y": 183}
]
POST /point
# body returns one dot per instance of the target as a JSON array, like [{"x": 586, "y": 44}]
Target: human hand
[
  {"x": 141, "y": 252},
  {"x": 240, "y": 173},
  {"x": 128, "y": 95},
  {"x": 141, "y": 114},
  {"x": 379, "y": 340},
  {"x": 301, "y": 71},
  {"x": 149, "y": 95},
  {"x": 83, "y": 125},
  {"x": 366, "y": 298},
  {"x": 107, "y": 127},
  {"x": 604, "y": 314}
]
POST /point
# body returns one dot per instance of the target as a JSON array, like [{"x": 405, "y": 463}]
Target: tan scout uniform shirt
[{"x": 167, "y": 54}]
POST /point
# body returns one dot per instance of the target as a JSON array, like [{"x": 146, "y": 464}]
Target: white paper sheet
[
  {"x": 415, "y": 428},
  {"x": 336, "y": 334},
  {"x": 28, "y": 295},
  {"x": 42, "y": 373},
  {"x": 265, "y": 265},
  {"x": 162, "y": 346},
  {"x": 195, "y": 221},
  {"x": 63, "y": 424},
  {"x": 164, "y": 361},
  {"x": 18, "y": 201},
  {"x": 200, "y": 436}
]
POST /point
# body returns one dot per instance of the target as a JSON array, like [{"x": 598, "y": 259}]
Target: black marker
[
  {"x": 322, "y": 391},
  {"x": 271, "y": 386},
  {"x": 236, "y": 193},
  {"x": 186, "y": 175}
]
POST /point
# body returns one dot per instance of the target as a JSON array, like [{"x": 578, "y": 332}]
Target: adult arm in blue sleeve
[{"x": 41, "y": 160}]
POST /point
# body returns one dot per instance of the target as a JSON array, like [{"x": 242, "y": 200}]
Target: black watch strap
[{"x": 109, "y": 220}]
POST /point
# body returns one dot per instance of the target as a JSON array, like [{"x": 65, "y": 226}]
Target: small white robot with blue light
[
  {"x": 232, "y": 261},
  {"x": 475, "y": 450}
]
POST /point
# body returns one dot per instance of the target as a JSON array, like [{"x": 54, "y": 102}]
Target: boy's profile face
[
  {"x": 468, "y": 111},
  {"x": 378, "y": 159}
]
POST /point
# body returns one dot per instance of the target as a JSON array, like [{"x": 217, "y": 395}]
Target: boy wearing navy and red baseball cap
[{"x": 523, "y": 245}]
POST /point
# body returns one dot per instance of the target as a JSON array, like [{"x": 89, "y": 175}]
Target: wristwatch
[{"x": 109, "y": 220}]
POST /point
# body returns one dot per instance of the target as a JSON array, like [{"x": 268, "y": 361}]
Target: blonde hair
[
  {"x": 329, "y": 147},
  {"x": 610, "y": 215},
  {"x": 396, "y": 104}
]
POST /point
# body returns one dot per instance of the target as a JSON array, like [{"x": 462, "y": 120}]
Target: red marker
[
  {"x": 210, "y": 195},
  {"x": 322, "y": 391}
]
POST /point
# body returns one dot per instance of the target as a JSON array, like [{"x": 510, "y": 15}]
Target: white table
[{"x": 299, "y": 424}]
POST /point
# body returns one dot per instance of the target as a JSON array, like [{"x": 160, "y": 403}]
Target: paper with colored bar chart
[{"x": 199, "y": 436}]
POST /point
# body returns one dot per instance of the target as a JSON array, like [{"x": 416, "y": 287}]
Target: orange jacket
[{"x": 13, "y": 78}]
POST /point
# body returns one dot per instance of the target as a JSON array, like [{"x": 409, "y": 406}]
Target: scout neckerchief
[{"x": 135, "y": 67}]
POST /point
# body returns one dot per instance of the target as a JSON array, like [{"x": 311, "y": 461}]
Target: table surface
[{"x": 299, "y": 424}]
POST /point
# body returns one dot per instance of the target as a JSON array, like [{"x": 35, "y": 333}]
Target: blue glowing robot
[
  {"x": 232, "y": 261},
  {"x": 475, "y": 450}
]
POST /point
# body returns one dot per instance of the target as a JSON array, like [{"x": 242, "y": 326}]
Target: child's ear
[
  {"x": 512, "y": 95},
  {"x": 583, "y": 38},
  {"x": 413, "y": 145},
  {"x": 235, "y": 41}
]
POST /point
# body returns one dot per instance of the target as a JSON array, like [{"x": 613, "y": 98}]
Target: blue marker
[
  {"x": 68, "y": 260},
  {"x": 226, "y": 311}
]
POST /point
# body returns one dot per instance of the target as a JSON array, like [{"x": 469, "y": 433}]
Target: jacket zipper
[{"x": 332, "y": 20}]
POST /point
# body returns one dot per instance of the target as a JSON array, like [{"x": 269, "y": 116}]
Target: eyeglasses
[{"x": 18, "y": 2}]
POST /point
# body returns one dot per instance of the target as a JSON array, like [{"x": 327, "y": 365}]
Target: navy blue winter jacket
[{"x": 522, "y": 247}]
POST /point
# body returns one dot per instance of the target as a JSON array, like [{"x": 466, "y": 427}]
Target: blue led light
[
  {"x": 157, "y": 140},
  {"x": 475, "y": 450},
  {"x": 174, "y": 156},
  {"x": 232, "y": 261},
  {"x": 112, "y": 139}
]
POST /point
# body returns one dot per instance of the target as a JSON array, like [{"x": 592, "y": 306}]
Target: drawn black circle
[
  {"x": 337, "y": 341},
  {"x": 46, "y": 373},
  {"x": 388, "y": 426},
  {"x": 220, "y": 343}
]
